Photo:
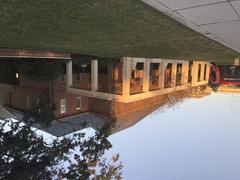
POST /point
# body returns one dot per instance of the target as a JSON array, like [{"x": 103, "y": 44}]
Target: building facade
[{"x": 112, "y": 87}]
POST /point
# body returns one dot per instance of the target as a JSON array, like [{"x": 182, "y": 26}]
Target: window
[
  {"x": 79, "y": 103},
  {"x": 61, "y": 78},
  {"x": 205, "y": 72},
  {"x": 78, "y": 77},
  {"x": 199, "y": 72},
  {"x": 62, "y": 106}
]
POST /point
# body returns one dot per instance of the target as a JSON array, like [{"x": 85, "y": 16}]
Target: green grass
[{"x": 108, "y": 28}]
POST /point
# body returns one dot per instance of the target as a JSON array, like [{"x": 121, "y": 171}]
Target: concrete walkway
[{"x": 216, "y": 19}]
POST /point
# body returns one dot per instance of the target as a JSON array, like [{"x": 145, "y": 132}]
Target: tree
[
  {"x": 26, "y": 155},
  {"x": 41, "y": 70},
  {"x": 43, "y": 109}
]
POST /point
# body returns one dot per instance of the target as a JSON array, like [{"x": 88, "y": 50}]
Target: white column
[
  {"x": 69, "y": 74},
  {"x": 174, "y": 73},
  {"x": 185, "y": 72},
  {"x": 194, "y": 73},
  {"x": 94, "y": 75},
  {"x": 126, "y": 76},
  {"x": 146, "y": 75},
  {"x": 207, "y": 72}
]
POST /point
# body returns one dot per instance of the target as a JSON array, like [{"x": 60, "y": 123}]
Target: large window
[
  {"x": 63, "y": 106},
  {"x": 136, "y": 80},
  {"x": 110, "y": 76},
  {"x": 82, "y": 74},
  {"x": 205, "y": 72},
  {"x": 179, "y": 74},
  {"x": 168, "y": 76},
  {"x": 154, "y": 76},
  {"x": 190, "y": 72},
  {"x": 79, "y": 103},
  {"x": 199, "y": 72}
]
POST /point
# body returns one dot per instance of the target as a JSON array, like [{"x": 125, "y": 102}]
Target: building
[
  {"x": 111, "y": 87},
  {"x": 104, "y": 86}
]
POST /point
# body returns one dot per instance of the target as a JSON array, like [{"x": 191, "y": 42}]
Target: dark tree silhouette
[
  {"x": 41, "y": 70},
  {"x": 43, "y": 109},
  {"x": 26, "y": 155}
]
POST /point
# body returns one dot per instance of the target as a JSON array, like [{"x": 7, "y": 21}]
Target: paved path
[{"x": 216, "y": 19}]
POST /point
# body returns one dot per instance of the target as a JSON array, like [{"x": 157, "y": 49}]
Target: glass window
[
  {"x": 199, "y": 72},
  {"x": 79, "y": 103},
  {"x": 205, "y": 71},
  {"x": 78, "y": 77},
  {"x": 62, "y": 106},
  {"x": 62, "y": 78}
]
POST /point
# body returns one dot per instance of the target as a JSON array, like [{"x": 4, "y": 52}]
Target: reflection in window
[
  {"x": 179, "y": 75},
  {"x": 62, "y": 106},
  {"x": 82, "y": 74},
  {"x": 199, "y": 72},
  {"x": 205, "y": 72},
  {"x": 154, "y": 76},
  {"x": 61, "y": 78},
  {"x": 136, "y": 80},
  {"x": 79, "y": 103},
  {"x": 110, "y": 76},
  {"x": 168, "y": 76},
  {"x": 190, "y": 72}
]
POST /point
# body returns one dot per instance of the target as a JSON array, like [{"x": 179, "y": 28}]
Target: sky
[{"x": 198, "y": 140}]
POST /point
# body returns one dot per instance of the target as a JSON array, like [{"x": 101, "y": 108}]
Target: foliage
[
  {"x": 214, "y": 87},
  {"x": 41, "y": 70},
  {"x": 43, "y": 109},
  {"x": 26, "y": 155}
]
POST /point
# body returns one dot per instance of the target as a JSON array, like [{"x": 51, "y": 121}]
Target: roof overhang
[{"x": 19, "y": 53}]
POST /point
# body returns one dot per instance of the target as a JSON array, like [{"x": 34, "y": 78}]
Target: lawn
[{"x": 107, "y": 28}]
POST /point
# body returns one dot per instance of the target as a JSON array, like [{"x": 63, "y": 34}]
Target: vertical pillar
[
  {"x": 94, "y": 75},
  {"x": 185, "y": 72},
  {"x": 194, "y": 73},
  {"x": 174, "y": 74},
  {"x": 126, "y": 77},
  {"x": 146, "y": 75},
  {"x": 207, "y": 72},
  {"x": 69, "y": 74}
]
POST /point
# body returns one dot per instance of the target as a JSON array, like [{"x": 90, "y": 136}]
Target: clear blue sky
[{"x": 200, "y": 140}]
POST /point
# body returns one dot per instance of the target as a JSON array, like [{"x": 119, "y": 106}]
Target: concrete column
[
  {"x": 185, "y": 72},
  {"x": 146, "y": 75},
  {"x": 194, "y": 73},
  {"x": 126, "y": 77},
  {"x": 174, "y": 73},
  {"x": 94, "y": 75},
  {"x": 69, "y": 74},
  {"x": 207, "y": 72}
]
